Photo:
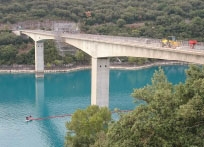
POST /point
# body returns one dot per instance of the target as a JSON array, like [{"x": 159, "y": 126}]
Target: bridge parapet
[
  {"x": 43, "y": 35},
  {"x": 36, "y": 35}
]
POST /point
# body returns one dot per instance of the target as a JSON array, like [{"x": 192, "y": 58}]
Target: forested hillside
[
  {"x": 182, "y": 18},
  {"x": 138, "y": 18}
]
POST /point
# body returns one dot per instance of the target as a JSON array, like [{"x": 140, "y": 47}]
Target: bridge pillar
[
  {"x": 39, "y": 59},
  {"x": 100, "y": 81}
]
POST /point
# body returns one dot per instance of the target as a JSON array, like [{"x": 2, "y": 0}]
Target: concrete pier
[
  {"x": 39, "y": 59},
  {"x": 100, "y": 81}
]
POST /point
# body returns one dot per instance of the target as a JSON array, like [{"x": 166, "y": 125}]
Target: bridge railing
[
  {"x": 131, "y": 40},
  {"x": 135, "y": 40},
  {"x": 148, "y": 41}
]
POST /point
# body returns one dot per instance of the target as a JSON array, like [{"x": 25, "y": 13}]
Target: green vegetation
[
  {"x": 18, "y": 50},
  {"x": 173, "y": 115},
  {"x": 9, "y": 45},
  {"x": 150, "y": 18},
  {"x": 85, "y": 125},
  {"x": 141, "y": 18}
]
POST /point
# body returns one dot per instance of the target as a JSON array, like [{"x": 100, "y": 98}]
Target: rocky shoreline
[{"x": 118, "y": 66}]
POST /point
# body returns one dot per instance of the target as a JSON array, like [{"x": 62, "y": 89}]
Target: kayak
[{"x": 29, "y": 118}]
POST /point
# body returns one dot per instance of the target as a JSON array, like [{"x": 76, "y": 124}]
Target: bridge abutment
[
  {"x": 100, "y": 81},
  {"x": 39, "y": 59}
]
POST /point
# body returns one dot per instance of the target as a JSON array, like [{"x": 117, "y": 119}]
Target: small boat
[{"x": 28, "y": 118}]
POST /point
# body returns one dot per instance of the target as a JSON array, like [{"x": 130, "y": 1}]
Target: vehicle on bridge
[
  {"x": 170, "y": 42},
  {"x": 192, "y": 43}
]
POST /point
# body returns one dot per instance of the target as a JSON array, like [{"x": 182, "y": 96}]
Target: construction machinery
[{"x": 170, "y": 42}]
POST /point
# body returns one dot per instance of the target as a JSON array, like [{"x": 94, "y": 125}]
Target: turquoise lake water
[{"x": 56, "y": 94}]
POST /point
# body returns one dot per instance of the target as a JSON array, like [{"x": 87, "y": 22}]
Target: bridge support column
[
  {"x": 39, "y": 59},
  {"x": 100, "y": 82}
]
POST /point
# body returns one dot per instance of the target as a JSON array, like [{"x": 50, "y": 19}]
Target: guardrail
[{"x": 120, "y": 39}]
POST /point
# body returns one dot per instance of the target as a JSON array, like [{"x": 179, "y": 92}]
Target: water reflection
[
  {"x": 39, "y": 91},
  {"x": 47, "y": 127},
  {"x": 175, "y": 74}
]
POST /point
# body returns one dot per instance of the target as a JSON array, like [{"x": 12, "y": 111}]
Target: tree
[
  {"x": 173, "y": 115},
  {"x": 38, "y": 12},
  {"x": 68, "y": 59},
  {"x": 85, "y": 125},
  {"x": 82, "y": 57},
  {"x": 137, "y": 60},
  {"x": 121, "y": 22},
  {"x": 8, "y": 54},
  {"x": 50, "y": 52}
]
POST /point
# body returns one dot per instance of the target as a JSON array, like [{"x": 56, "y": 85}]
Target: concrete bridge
[{"x": 102, "y": 47}]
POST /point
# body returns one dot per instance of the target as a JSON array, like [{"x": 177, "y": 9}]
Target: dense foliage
[
  {"x": 85, "y": 125},
  {"x": 18, "y": 50},
  {"x": 182, "y": 18},
  {"x": 9, "y": 45},
  {"x": 140, "y": 18},
  {"x": 173, "y": 115}
]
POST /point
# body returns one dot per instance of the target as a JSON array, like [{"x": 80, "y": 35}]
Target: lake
[{"x": 59, "y": 94}]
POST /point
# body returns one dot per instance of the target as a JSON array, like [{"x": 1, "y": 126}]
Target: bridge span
[{"x": 102, "y": 47}]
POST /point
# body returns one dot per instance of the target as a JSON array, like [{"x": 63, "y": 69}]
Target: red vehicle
[{"x": 192, "y": 43}]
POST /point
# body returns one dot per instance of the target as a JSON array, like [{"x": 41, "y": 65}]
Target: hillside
[
  {"x": 137, "y": 18},
  {"x": 183, "y": 18}
]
